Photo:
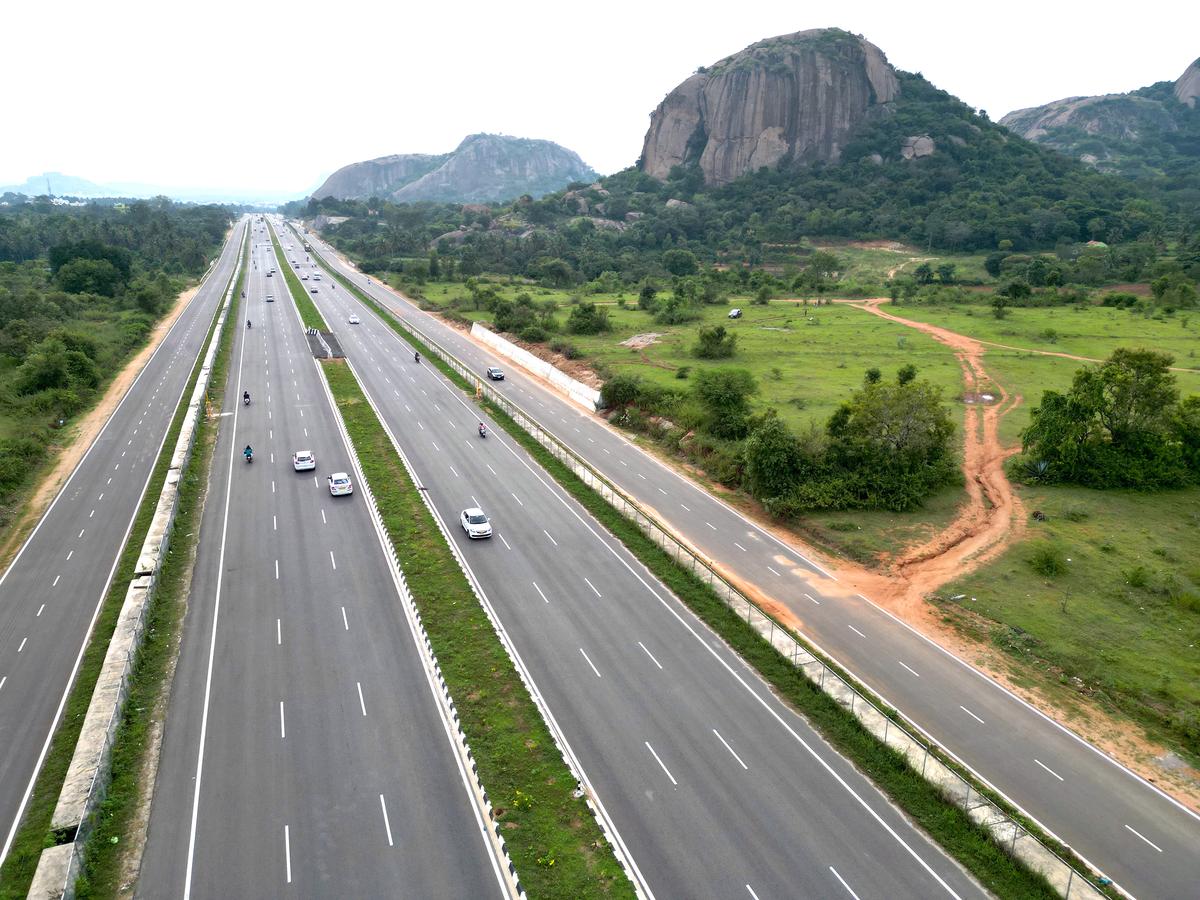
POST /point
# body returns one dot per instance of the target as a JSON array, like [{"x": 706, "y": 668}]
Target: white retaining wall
[{"x": 587, "y": 397}]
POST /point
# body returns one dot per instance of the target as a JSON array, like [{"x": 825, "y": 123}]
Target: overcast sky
[{"x": 267, "y": 96}]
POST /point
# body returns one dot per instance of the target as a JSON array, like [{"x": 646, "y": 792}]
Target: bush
[
  {"x": 1048, "y": 561},
  {"x": 715, "y": 343},
  {"x": 587, "y": 318},
  {"x": 566, "y": 348}
]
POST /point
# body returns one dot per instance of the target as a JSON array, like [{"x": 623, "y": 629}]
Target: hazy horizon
[{"x": 439, "y": 74}]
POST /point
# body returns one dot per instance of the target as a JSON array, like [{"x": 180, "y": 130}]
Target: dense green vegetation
[
  {"x": 80, "y": 289},
  {"x": 1122, "y": 424}
]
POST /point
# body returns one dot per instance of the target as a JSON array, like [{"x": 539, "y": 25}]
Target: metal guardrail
[{"x": 920, "y": 753}]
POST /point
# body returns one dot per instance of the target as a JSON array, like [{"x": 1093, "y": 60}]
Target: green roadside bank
[
  {"x": 34, "y": 833},
  {"x": 945, "y": 822},
  {"x": 552, "y": 837},
  {"x": 309, "y": 314}
]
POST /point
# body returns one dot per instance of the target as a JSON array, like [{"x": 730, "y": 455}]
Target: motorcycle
[
  {"x": 249, "y": 454},
  {"x": 482, "y": 431},
  {"x": 246, "y": 398}
]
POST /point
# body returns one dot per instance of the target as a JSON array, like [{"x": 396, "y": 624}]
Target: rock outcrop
[
  {"x": 1187, "y": 88},
  {"x": 788, "y": 100},
  {"x": 484, "y": 168},
  {"x": 1119, "y": 132}
]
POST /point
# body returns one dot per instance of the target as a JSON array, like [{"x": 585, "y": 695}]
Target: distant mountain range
[
  {"x": 60, "y": 185},
  {"x": 1152, "y": 133},
  {"x": 484, "y": 168}
]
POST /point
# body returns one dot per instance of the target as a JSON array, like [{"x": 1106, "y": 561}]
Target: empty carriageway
[
  {"x": 714, "y": 788},
  {"x": 1133, "y": 832},
  {"x": 303, "y": 747}
]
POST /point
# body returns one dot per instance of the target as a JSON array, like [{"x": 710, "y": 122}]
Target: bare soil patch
[{"x": 639, "y": 341}]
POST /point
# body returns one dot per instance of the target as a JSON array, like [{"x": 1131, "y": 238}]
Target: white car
[
  {"x": 340, "y": 485},
  {"x": 353, "y": 320},
  {"x": 270, "y": 298},
  {"x": 304, "y": 277},
  {"x": 303, "y": 460},
  {"x": 475, "y": 523}
]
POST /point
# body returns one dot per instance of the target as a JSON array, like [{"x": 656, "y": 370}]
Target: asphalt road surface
[
  {"x": 303, "y": 748},
  {"x": 715, "y": 788},
  {"x": 50, "y": 595},
  {"x": 1133, "y": 832}
]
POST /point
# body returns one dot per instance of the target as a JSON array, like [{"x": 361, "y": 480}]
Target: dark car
[{"x": 494, "y": 373}]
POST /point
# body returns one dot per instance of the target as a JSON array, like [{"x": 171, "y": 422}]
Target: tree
[
  {"x": 945, "y": 273},
  {"x": 587, "y": 318},
  {"x": 646, "y": 297},
  {"x": 873, "y": 376},
  {"x": 724, "y": 396},
  {"x": 89, "y": 276},
  {"x": 999, "y": 306},
  {"x": 620, "y": 391},
  {"x": 923, "y": 273},
  {"x": 906, "y": 373},
  {"x": 773, "y": 459},
  {"x": 715, "y": 343},
  {"x": 679, "y": 262}
]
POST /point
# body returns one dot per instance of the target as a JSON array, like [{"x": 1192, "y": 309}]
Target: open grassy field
[
  {"x": 880, "y": 260},
  {"x": 1090, "y": 331},
  {"x": 1107, "y": 591}
]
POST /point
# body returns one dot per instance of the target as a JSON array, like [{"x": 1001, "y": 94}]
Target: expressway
[
  {"x": 51, "y": 593},
  {"x": 1128, "y": 828},
  {"x": 303, "y": 748},
  {"x": 712, "y": 786}
]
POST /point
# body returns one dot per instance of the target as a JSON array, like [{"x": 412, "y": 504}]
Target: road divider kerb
[
  {"x": 87, "y": 776},
  {"x": 922, "y": 753}
]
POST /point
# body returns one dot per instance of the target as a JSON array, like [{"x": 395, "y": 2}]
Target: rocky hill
[
  {"x": 1145, "y": 133},
  {"x": 484, "y": 168},
  {"x": 787, "y": 100}
]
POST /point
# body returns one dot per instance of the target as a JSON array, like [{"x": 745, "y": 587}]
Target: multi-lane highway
[
  {"x": 303, "y": 747},
  {"x": 1125, "y": 826},
  {"x": 51, "y": 593},
  {"x": 714, "y": 787}
]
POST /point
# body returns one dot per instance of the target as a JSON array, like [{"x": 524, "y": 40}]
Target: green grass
[
  {"x": 868, "y": 261},
  {"x": 555, "y": 843},
  {"x": 948, "y": 825},
  {"x": 1088, "y": 331},
  {"x": 309, "y": 313},
  {"x": 103, "y": 858},
  {"x": 34, "y": 834},
  {"x": 1124, "y": 618}
]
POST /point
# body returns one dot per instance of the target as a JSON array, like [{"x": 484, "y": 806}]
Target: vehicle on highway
[
  {"x": 353, "y": 320},
  {"x": 269, "y": 274},
  {"x": 304, "y": 277},
  {"x": 482, "y": 430},
  {"x": 314, "y": 289},
  {"x": 248, "y": 453},
  {"x": 339, "y": 484},
  {"x": 316, "y": 276},
  {"x": 494, "y": 373},
  {"x": 270, "y": 298},
  {"x": 735, "y": 313},
  {"x": 303, "y": 460},
  {"x": 246, "y": 397},
  {"x": 475, "y": 523}
]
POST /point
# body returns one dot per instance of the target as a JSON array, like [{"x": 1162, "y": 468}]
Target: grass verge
[
  {"x": 553, "y": 839},
  {"x": 104, "y": 854},
  {"x": 947, "y": 824},
  {"x": 34, "y": 835},
  {"x": 309, "y": 313}
]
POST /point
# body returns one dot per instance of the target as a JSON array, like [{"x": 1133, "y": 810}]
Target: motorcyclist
[
  {"x": 246, "y": 397},
  {"x": 247, "y": 323},
  {"x": 482, "y": 430},
  {"x": 248, "y": 453},
  {"x": 416, "y": 357}
]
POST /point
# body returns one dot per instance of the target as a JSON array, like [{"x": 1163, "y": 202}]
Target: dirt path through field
[{"x": 992, "y": 516}]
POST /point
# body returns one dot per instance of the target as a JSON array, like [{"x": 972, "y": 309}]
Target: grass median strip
[
  {"x": 555, "y": 843},
  {"x": 309, "y": 313},
  {"x": 34, "y": 834}
]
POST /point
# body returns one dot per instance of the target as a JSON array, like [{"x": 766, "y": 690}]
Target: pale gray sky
[{"x": 261, "y": 95}]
